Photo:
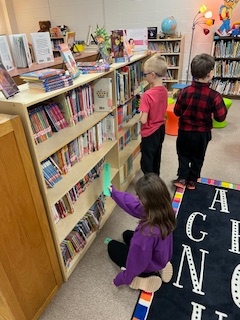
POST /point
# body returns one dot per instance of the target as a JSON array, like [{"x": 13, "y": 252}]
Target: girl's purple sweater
[{"x": 147, "y": 252}]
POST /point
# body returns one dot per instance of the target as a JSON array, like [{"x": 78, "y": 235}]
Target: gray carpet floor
[{"x": 89, "y": 293}]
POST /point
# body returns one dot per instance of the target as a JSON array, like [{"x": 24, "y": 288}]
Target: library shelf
[{"x": 91, "y": 195}]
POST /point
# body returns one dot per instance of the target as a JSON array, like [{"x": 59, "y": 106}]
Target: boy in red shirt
[
  {"x": 195, "y": 107},
  {"x": 153, "y": 107}
]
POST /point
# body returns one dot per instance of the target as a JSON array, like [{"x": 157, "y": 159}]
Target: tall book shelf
[
  {"x": 83, "y": 180},
  {"x": 226, "y": 51},
  {"x": 172, "y": 50}
]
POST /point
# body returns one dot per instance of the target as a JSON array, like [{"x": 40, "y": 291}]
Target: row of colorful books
[
  {"x": 93, "y": 67},
  {"x": 66, "y": 157},
  {"x": 128, "y": 79},
  {"x": 226, "y": 49},
  {"x": 45, "y": 120},
  {"x": 51, "y": 172},
  {"x": 227, "y": 69},
  {"x": 127, "y": 167},
  {"x": 73, "y": 152},
  {"x": 77, "y": 238},
  {"x": 69, "y": 108},
  {"x": 48, "y": 79},
  {"x": 41, "y": 127},
  {"x": 132, "y": 133},
  {"x": 226, "y": 87},
  {"x": 65, "y": 205},
  {"x": 165, "y": 46}
]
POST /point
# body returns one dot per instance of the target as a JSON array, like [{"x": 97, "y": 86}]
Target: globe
[{"x": 169, "y": 25}]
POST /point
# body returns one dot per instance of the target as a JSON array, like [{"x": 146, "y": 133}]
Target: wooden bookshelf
[
  {"x": 172, "y": 49},
  {"x": 226, "y": 51},
  {"x": 27, "y": 99},
  {"x": 30, "y": 274}
]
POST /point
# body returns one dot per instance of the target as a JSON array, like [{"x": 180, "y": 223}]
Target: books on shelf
[
  {"x": 69, "y": 60},
  {"x": 42, "y": 47},
  {"x": 42, "y": 74},
  {"x": 20, "y": 49},
  {"x": 92, "y": 67},
  {"x": 102, "y": 92},
  {"x": 47, "y": 79},
  {"x": 7, "y": 84},
  {"x": 51, "y": 83},
  {"x": 5, "y": 54}
]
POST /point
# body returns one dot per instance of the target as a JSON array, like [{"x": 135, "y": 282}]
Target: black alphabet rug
[{"x": 206, "y": 258}]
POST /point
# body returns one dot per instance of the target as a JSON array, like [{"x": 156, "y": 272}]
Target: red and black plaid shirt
[{"x": 197, "y": 105}]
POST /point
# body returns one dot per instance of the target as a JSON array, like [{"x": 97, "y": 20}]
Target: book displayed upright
[
  {"x": 138, "y": 39},
  {"x": 69, "y": 60},
  {"x": 70, "y": 39},
  {"x": 102, "y": 93},
  {"x": 20, "y": 49},
  {"x": 5, "y": 54},
  {"x": 42, "y": 47},
  {"x": 7, "y": 84}
]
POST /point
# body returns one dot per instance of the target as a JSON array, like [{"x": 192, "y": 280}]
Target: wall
[{"x": 118, "y": 14}]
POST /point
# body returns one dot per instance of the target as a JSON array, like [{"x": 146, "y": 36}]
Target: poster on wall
[{"x": 5, "y": 54}]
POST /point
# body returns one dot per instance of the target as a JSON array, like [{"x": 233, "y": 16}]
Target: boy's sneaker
[
  {"x": 148, "y": 284},
  {"x": 166, "y": 273},
  {"x": 191, "y": 185},
  {"x": 180, "y": 183}
]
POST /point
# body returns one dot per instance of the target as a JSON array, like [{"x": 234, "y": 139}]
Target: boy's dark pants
[
  {"x": 151, "y": 149},
  {"x": 191, "y": 149}
]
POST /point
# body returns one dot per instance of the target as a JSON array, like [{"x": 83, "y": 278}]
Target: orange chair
[{"x": 171, "y": 125}]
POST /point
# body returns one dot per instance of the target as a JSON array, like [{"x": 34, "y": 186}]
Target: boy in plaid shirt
[{"x": 195, "y": 107}]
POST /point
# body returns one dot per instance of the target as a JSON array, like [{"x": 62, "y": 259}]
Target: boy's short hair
[
  {"x": 201, "y": 65},
  {"x": 157, "y": 64}
]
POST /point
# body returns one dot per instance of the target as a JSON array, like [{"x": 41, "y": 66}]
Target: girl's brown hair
[{"x": 157, "y": 204}]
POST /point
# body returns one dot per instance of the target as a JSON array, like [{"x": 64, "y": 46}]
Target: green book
[{"x": 107, "y": 179}]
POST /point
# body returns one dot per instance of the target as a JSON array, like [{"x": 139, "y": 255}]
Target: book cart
[
  {"x": 120, "y": 149},
  {"x": 226, "y": 51},
  {"x": 172, "y": 50}
]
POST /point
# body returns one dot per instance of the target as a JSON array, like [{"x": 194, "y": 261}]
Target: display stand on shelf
[
  {"x": 70, "y": 144},
  {"x": 226, "y": 51},
  {"x": 172, "y": 49}
]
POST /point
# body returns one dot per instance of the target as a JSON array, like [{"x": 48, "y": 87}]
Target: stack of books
[
  {"x": 47, "y": 79},
  {"x": 93, "y": 67}
]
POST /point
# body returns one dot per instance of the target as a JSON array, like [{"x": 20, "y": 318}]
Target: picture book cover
[
  {"x": 42, "y": 74},
  {"x": 7, "y": 84},
  {"x": 102, "y": 91},
  {"x": 138, "y": 40},
  {"x": 69, "y": 60},
  {"x": 117, "y": 43},
  {"x": 42, "y": 47}
]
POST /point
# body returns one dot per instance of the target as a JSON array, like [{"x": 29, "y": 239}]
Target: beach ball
[{"x": 169, "y": 25}]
